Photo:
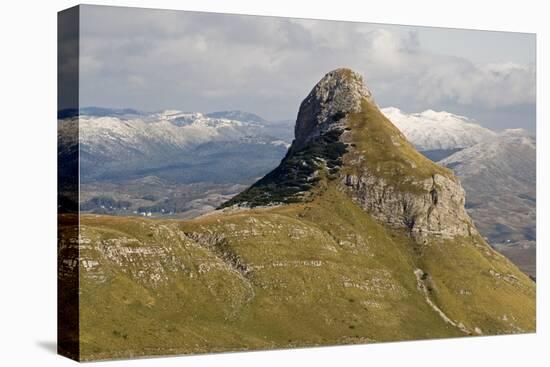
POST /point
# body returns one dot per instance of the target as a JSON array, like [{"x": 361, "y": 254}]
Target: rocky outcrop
[
  {"x": 430, "y": 206},
  {"x": 339, "y": 93},
  {"x": 332, "y": 134},
  {"x": 436, "y": 209}
]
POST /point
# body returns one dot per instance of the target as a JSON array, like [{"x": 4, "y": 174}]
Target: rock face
[
  {"x": 339, "y": 92},
  {"x": 438, "y": 209},
  {"x": 406, "y": 190}
]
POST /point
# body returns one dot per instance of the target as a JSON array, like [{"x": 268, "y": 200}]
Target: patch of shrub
[{"x": 295, "y": 175}]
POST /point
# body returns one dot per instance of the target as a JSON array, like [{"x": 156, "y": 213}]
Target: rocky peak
[
  {"x": 343, "y": 139},
  {"x": 337, "y": 94}
]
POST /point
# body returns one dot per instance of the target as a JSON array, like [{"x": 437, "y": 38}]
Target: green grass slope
[
  {"x": 382, "y": 148},
  {"x": 319, "y": 273}
]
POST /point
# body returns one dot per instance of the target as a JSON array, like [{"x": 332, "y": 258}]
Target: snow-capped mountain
[
  {"x": 432, "y": 130},
  {"x": 237, "y": 115},
  {"x": 172, "y": 129},
  {"x": 499, "y": 177},
  {"x": 505, "y": 152},
  {"x": 120, "y": 143}
]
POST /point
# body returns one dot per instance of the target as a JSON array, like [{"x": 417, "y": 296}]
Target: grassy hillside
[
  {"x": 382, "y": 148},
  {"x": 319, "y": 273},
  {"x": 318, "y": 270}
]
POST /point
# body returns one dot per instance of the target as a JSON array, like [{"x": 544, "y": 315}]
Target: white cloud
[
  {"x": 491, "y": 85},
  {"x": 199, "y": 61}
]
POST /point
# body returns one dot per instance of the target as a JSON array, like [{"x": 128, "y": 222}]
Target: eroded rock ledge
[{"x": 437, "y": 208}]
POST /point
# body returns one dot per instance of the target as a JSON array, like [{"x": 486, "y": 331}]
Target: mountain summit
[
  {"x": 336, "y": 95},
  {"x": 342, "y": 136}
]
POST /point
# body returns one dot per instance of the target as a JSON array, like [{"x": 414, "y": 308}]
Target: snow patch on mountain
[
  {"x": 237, "y": 115},
  {"x": 510, "y": 153},
  {"x": 170, "y": 128},
  {"x": 437, "y": 130}
]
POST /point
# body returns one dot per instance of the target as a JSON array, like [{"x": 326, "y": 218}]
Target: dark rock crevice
[{"x": 219, "y": 245}]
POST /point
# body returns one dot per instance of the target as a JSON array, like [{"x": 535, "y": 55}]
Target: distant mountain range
[
  {"x": 178, "y": 146},
  {"x": 122, "y": 150}
]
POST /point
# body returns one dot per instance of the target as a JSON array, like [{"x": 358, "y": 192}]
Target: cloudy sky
[{"x": 156, "y": 59}]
